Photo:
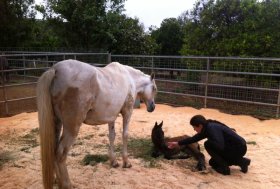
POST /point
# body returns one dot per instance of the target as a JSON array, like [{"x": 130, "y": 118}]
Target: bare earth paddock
[{"x": 20, "y": 159}]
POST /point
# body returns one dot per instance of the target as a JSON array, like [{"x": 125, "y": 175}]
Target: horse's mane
[
  {"x": 139, "y": 72},
  {"x": 128, "y": 68}
]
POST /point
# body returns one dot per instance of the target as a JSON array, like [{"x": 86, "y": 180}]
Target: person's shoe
[
  {"x": 244, "y": 165},
  {"x": 222, "y": 170},
  {"x": 213, "y": 163}
]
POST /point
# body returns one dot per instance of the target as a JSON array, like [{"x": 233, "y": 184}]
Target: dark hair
[{"x": 197, "y": 120}]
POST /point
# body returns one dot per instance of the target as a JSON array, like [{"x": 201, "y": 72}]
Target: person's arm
[
  {"x": 197, "y": 137},
  {"x": 190, "y": 140}
]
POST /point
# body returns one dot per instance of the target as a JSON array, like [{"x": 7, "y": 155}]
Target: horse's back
[{"x": 90, "y": 90}]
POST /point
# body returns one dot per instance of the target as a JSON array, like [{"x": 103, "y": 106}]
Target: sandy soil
[{"x": 23, "y": 169}]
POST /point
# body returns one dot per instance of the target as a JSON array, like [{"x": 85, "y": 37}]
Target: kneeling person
[{"x": 224, "y": 145}]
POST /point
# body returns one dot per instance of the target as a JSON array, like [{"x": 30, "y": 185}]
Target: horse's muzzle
[{"x": 151, "y": 107}]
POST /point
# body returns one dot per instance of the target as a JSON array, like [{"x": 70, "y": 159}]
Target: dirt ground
[{"x": 20, "y": 159}]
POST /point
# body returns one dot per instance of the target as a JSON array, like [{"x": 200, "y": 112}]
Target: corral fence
[{"x": 247, "y": 86}]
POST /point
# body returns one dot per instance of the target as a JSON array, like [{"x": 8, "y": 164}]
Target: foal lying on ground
[{"x": 160, "y": 147}]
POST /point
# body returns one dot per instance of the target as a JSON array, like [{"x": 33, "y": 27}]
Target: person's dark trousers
[
  {"x": 232, "y": 155},
  {"x": 217, "y": 161}
]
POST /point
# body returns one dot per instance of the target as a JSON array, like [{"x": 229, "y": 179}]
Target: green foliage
[
  {"x": 16, "y": 19},
  {"x": 233, "y": 28},
  {"x": 169, "y": 37},
  {"x": 94, "y": 159},
  {"x": 211, "y": 28},
  {"x": 126, "y": 36}
]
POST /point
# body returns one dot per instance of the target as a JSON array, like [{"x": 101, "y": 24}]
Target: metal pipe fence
[{"x": 247, "y": 86}]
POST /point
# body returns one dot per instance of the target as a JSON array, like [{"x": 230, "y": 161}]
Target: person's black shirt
[{"x": 218, "y": 134}]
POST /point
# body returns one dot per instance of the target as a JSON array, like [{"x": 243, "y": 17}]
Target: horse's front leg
[
  {"x": 126, "y": 120},
  {"x": 126, "y": 114},
  {"x": 112, "y": 135}
]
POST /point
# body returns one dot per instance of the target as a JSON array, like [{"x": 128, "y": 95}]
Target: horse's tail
[{"x": 46, "y": 127}]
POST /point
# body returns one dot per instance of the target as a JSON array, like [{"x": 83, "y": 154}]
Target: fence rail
[{"x": 231, "y": 84}]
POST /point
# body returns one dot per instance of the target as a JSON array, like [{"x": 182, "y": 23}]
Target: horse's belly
[{"x": 94, "y": 118}]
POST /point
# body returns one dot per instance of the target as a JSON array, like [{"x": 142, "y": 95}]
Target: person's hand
[{"x": 172, "y": 145}]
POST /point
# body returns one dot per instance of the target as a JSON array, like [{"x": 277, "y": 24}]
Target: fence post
[
  {"x": 278, "y": 104},
  {"x": 206, "y": 82},
  {"x": 24, "y": 67},
  {"x": 153, "y": 66},
  {"x": 109, "y": 58},
  {"x": 4, "y": 92}
]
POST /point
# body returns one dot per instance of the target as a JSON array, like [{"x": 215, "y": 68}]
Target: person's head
[{"x": 198, "y": 122}]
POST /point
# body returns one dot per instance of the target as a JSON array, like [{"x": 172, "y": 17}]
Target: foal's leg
[
  {"x": 112, "y": 135},
  {"x": 199, "y": 156}
]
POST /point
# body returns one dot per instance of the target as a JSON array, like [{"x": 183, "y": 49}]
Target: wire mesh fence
[
  {"x": 234, "y": 85},
  {"x": 247, "y": 86},
  {"x": 19, "y": 79}
]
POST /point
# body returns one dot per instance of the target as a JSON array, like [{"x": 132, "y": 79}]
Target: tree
[
  {"x": 16, "y": 19},
  {"x": 233, "y": 28},
  {"x": 127, "y": 35},
  {"x": 169, "y": 37}
]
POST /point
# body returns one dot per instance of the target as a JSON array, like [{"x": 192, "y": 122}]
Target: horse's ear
[
  {"x": 156, "y": 123},
  {"x": 152, "y": 76},
  {"x": 161, "y": 124}
]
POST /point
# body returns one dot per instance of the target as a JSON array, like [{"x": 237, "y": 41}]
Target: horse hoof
[
  {"x": 115, "y": 164},
  {"x": 127, "y": 165}
]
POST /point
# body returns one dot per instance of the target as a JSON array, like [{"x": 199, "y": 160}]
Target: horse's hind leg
[
  {"x": 69, "y": 134},
  {"x": 112, "y": 135},
  {"x": 58, "y": 126}
]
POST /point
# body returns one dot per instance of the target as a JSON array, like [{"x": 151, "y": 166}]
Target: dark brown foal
[{"x": 160, "y": 147}]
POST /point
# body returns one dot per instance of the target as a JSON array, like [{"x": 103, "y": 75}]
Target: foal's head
[
  {"x": 158, "y": 134},
  {"x": 148, "y": 93}
]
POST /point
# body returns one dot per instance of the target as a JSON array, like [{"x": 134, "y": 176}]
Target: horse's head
[
  {"x": 157, "y": 134},
  {"x": 148, "y": 93}
]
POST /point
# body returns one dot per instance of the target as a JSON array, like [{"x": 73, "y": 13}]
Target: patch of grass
[
  {"x": 78, "y": 142},
  {"x": 252, "y": 142},
  {"x": 88, "y": 137},
  {"x": 35, "y": 131},
  {"x": 25, "y": 149},
  {"x": 5, "y": 157},
  {"x": 102, "y": 135},
  {"x": 142, "y": 148},
  {"x": 94, "y": 159},
  {"x": 30, "y": 138}
]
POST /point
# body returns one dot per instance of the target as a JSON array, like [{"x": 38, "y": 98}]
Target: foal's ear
[
  {"x": 156, "y": 123},
  {"x": 152, "y": 76},
  {"x": 160, "y": 124}
]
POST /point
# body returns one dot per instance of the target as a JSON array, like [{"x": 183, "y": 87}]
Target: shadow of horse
[{"x": 160, "y": 148}]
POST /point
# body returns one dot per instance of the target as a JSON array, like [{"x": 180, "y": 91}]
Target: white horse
[{"x": 71, "y": 93}]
